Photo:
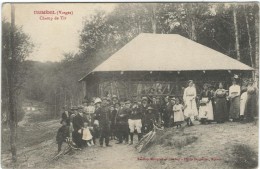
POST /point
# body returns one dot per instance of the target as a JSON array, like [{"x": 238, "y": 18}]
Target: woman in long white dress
[
  {"x": 189, "y": 98},
  {"x": 234, "y": 98}
]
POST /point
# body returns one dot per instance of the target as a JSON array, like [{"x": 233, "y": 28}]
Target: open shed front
[{"x": 134, "y": 85}]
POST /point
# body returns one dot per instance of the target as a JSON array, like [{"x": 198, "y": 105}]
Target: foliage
[{"x": 22, "y": 48}]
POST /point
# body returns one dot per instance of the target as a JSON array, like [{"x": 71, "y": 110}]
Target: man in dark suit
[
  {"x": 102, "y": 114},
  {"x": 122, "y": 122},
  {"x": 78, "y": 124}
]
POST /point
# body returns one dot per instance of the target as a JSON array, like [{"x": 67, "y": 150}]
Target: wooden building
[{"x": 160, "y": 65}]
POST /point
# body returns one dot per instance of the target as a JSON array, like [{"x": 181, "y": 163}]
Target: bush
[{"x": 244, "y": 157}]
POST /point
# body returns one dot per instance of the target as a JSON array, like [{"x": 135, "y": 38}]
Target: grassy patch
[
  {"x": 178, "y": 139},
  {"x": 172, "y": 138},
  {"x": 28, "y": 136},
  {"x": 244, "y": 157},
  {"x": 41, "y": 116}
]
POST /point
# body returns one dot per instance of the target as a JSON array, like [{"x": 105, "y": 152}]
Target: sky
[{"x": 53, "y": 37}]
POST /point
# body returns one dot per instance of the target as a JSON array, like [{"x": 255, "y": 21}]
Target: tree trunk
[
  {"x": 256, "y": 46},
  {"x": 11, "y": 91},
  {"x": 55, "y": 93},
  {"x": 193, "y": 30},
  {"x": 249, "y": 41},
  {"x": 65, "y": 97},
  {"x": 153, "y": 19},
  {"x": 236, "y": 33}
]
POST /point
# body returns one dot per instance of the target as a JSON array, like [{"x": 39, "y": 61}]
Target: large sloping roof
[{"x": 167, "y": 52}]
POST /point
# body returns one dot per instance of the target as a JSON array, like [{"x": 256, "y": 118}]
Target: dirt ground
[
  {"x": 40, "y": 155},
  {"x": 213, "y": 149},
  {"x": 213, "y": 146}
]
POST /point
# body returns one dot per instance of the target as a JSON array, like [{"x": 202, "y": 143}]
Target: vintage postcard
[{"x": 130, "y": 85}]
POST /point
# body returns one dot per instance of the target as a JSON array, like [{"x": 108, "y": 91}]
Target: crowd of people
[{"x": 109, "y": 118}]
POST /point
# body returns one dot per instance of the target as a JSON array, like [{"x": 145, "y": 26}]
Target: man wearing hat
[
  {"x": 144, "y": 105},
  {"x": 135, "y": 122},
  {"x": 65, "y": 116},
  {"x": 113, "y": 113},
  {"x": 122, "y": 122},
  {"x": 148, "y": 120},
  {"x": 143, "y": 109},
  {"x": 95, "y": 122},
  {"x": 114, "y": 99},
  {"x": 102, "y": 114},
  {"x": 78, "y": 124},
  {"x": 166, "y": 111}
]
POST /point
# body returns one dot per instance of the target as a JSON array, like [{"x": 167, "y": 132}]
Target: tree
[
  {"x": 236, "y": 32},
  {"x": 16, "y": 46},
  {"x": 257, "y": 43}
]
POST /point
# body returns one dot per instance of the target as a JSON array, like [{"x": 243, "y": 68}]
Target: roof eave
[{"x": 84, "y": 77}]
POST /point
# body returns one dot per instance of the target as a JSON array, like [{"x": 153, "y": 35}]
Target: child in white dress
[
  {"x": 178, "y": 113},
  {"x": 86, "y": 135}
]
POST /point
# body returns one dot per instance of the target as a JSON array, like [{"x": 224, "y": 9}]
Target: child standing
[
  {"x": 178, "y": 113},
  {"x": 87, "y": 136},
  {"x": 62, "y": 134}
]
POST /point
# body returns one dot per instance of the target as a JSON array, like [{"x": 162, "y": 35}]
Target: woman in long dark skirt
[
  {"x": 251, "y": 105},
  {"x": 220, "y": 104}
]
